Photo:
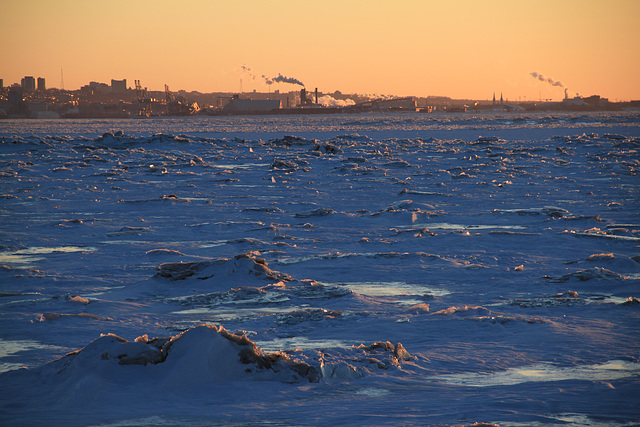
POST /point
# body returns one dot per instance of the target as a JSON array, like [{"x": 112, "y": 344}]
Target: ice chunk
[
  {"x": 315, "y": 212},
  {"x": 590, "y": 274},
  {"x": 48, "y": 316}
]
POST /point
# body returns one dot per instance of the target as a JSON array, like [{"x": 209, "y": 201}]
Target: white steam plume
[{"x": 329, "y": 101}]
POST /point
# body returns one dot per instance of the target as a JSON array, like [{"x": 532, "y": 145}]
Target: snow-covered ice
[{"x": 365, "y": 269}]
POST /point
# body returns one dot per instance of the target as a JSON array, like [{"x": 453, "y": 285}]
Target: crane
[{"x": 144, "y": 102}]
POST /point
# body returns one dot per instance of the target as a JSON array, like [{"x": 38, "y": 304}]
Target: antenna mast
[{"x": 61, "y": 79}]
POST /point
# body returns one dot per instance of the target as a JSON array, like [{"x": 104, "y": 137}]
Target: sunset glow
[{"x": 460, "y": 49}]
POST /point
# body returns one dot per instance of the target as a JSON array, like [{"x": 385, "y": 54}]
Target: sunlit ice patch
[
  {"x": 10, "y": 348},
  {"x": 302, "y": 343},
  {"x": 26, "y": 257},
  {"x": 577, "y": 420},
  {"x": 452, "y": 226},
  {"x": 218, "y": 314},
  {"x": 544, "y": 372},
  {"x": 240, "y": 165},
  {"x": 389, "y": 289}
]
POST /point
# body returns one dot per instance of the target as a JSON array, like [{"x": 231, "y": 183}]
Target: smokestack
[
  {"x": 316, "y": 95},
  {"x": 303, "y": 96}
]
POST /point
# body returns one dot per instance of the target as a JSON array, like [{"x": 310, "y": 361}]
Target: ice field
[{"x": 363, "y": 269}]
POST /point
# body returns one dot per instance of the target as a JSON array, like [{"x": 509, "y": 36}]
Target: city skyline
[{"x": 526, "y": 50}]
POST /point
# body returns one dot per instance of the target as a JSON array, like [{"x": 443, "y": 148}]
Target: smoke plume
[
  {"x": 248, "y": 71},
  {"x": 546, "y": 79},
  {"x": 282, "y": 79}
]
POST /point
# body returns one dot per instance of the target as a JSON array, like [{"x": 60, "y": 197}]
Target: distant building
[
  {"x": 119, "y": 85},
  {"x": 251, "y": 105},
  {"x": 407, "y": 103},
  {"x": 98, "y": 85},
  {"x": 41, "y": 84},
  {"x": 94, "y": 88},
  {"x": 18, "y": 107},
  {"x": 591, "y": 101},
  {"x": 1, "y": 84},
  {"x": 28, "y": 83},
  {"x": 16, "y": 95}
]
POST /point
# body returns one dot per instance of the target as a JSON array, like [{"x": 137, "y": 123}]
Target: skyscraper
[
  {"x": 28, "y": 83},
  {"x": 41, "y": 84}
]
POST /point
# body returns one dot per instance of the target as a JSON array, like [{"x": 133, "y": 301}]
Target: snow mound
[
  {"x": 199, "y": 355},
  {"x": 209, "y": 354},
  {"x": 244, "y": 278},
  {"x": 246, "y": 263}
]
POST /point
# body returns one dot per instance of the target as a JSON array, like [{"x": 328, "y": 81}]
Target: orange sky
[{"x": 457, "y": 48}]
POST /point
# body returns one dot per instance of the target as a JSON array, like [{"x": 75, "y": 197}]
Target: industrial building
[
  {"x": 394, "y": 104},
  {"x": 119, "y": 85},
  {"x": 239, "y": 106}
]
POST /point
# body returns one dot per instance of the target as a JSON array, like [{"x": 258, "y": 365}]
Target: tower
[
  {"x": 494, "y": 98},
  {"x": 501, "y": 101},
  {"x": 28, "y": 83}
]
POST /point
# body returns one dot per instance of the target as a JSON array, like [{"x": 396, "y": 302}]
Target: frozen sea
[{"x": 363, "y": 269}]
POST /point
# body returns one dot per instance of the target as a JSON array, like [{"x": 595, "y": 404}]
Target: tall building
[
  {"x": 41, "y": 84},
  {"x": 28, "y": 83},
  {"x": 1, "y": 84},
  {"x": 118, "y": 85}
]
